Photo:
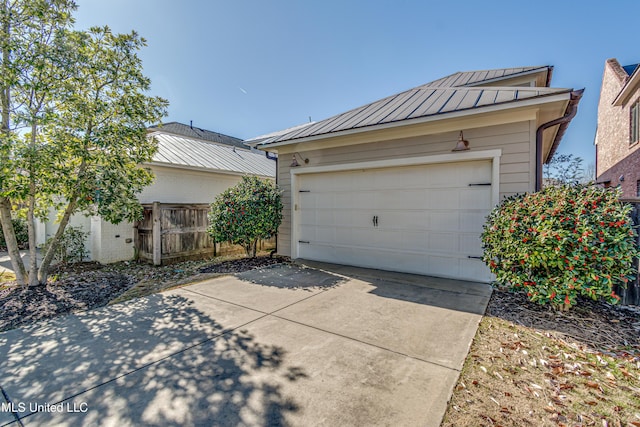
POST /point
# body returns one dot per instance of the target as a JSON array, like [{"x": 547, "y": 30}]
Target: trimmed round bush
[
  {"x": 561, "y": 242},
  {"x": 249, "y": 211}
]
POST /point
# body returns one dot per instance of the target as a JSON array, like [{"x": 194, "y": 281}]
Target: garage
[
  {"x": 423, "y": 219},
  {"x": 404, "y": 183}
]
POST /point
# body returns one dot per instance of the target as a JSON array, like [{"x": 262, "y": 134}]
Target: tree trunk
[
  {"x": 255, "y": 248},
  {"x": 12, "y": 242},
  {"x": 33, "y": 254},
  {"x": 43, "y": 272}
]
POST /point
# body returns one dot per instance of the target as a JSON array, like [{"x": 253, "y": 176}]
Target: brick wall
[{"x": 615, "y": 157}]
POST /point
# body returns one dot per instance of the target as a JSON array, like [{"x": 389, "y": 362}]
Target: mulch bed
[
  {"x": 595, "y": 324},
  {"x": 89, "y": 285}
]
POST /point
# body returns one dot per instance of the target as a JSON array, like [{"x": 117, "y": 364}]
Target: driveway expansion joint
[{"x": 13, "y": 412}]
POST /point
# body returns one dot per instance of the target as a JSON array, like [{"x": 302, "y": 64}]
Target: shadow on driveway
[
  {"x": 291, "y": 277},
  {"x": 159, "y": 360}
]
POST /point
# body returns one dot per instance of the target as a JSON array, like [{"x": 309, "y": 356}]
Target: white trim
[
  {"x": 203, "y": 169},
  {"x": 545, "y": 99},
  {"x": 493, "y": 155}
]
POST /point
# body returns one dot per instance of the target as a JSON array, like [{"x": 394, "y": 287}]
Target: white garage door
[{"x": 423, "y": 219}]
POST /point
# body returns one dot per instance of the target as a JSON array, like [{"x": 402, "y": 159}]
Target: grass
[
  {"x": 6, "y": 276},
  {"x": 519, "y": 376}
]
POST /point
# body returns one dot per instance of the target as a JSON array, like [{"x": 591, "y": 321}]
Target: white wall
[
  {"x": 173, "y": 185},
  {"x": 45, "y": 230},
  {"x": 110, "y": 242}
]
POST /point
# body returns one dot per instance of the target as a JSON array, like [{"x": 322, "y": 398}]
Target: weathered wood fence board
[
  {"x": 631, "y": 294},
  {"x": 175, "y": 232}
]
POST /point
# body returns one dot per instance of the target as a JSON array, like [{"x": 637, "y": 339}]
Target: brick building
[{"x": 618, "y": 133}]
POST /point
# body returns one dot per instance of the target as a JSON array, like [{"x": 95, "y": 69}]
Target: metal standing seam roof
[
  {"x": 176, "y": 150},
  {"x": 190, "y": 131},
  {"x": 415, "y": 103},
  {"x": 446, "y": 95}
]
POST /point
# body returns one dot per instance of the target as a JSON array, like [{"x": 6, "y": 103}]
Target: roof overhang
[
  {"x": 203, "y": 169},
  {"x": 629, "y": 89},
  {"x": 538, "y": 109}
]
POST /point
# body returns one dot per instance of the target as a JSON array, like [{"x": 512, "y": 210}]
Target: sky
[{"x": 250, "y": 67}]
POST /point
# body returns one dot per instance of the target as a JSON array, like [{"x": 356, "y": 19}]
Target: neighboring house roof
[
  {"x": 195, "y": 132},
  {"x": 629, "y": 69},
  {"x": 194, "y": 153},
  {"x": 455, "y": 93},
  {"x": 630, "y": 81},
  {"x": 252, "y": 142}
]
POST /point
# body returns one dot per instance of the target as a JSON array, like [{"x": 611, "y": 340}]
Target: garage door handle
[
  {"x": 474, "y": 257},
  {"x": 375, "y": 220},
  {"x": 304, "y": 241},
  {"x": 480, "y": 184}
]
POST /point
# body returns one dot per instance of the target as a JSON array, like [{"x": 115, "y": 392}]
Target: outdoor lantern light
[
  {"x": 294, "y": 162},
  {"x": 462, "y": 145}
]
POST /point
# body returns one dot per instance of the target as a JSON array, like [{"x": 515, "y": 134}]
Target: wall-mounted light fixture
[
  {"x": 462, "y": 145},
  {"x": 294, "y": 161}
]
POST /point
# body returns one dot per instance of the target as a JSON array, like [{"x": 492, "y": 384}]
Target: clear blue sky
[{"x": 249, "y": 67}]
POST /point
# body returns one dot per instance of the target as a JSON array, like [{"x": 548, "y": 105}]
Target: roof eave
[
  {"x": 574, "y": 100},
  {"x": 203, "y": 169},
  {"x": 629, "y": 88},
  {"x": 539, "y": 100}
]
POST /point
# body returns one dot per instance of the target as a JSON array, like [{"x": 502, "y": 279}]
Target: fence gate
[{"x": 173, "y": 232}]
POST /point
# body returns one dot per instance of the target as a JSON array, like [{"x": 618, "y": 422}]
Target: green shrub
[
  {"x": 243, "y": 214},
  {"x": 71, "y": 248},
  {"x": 561, "y": 242},
  {"x": 22, "y": 234}
]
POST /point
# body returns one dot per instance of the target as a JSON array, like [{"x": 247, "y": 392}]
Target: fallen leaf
[{"x": 593, "y": 384}]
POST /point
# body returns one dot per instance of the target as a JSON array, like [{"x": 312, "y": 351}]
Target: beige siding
[{"x": 517, "y": 170}]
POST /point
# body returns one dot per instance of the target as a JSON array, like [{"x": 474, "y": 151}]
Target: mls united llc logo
[{"x": 21, "y": 407}]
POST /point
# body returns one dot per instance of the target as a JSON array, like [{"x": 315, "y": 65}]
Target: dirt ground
[{"x": 532, "y": 366}]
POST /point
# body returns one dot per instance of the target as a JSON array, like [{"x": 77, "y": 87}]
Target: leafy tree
[
  {"x": 83, "y": 113},
  {"x": 563, "y": 169},
  {"x": 249, "y": 211},
  {"x": 561, "y": 242}
]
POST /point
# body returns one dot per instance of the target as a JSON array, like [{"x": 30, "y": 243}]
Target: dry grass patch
[{"x": 517, "y": 375}]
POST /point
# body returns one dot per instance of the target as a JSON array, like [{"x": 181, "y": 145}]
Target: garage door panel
[
  {"x": 326, "y": 216},
  {"x": 474, "y": 197},
  {"x": 444, "y": 199},
  {"x": 445, "y": 221},
  {"x": 429, "y": 218},
  {"x": 443, "y": 242},
  {"x": 471, "y": 244},
  {"x": 472, "y": 221}
]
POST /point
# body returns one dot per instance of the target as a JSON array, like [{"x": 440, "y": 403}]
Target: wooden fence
[
  {"x": 173, "y": 232},
  {"x": 631, "y": 294},
  {"x": 176, "y": 232}
]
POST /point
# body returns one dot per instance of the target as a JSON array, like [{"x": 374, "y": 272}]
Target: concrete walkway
[{"x": 285, "y": 345}]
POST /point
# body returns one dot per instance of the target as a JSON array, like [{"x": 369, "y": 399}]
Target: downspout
[
  {"x": 570, "y": 113},
  {"x": 276, "y": 159}
]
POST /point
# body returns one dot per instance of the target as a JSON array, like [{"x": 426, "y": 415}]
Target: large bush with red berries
[{"x": 561, "y": 242}]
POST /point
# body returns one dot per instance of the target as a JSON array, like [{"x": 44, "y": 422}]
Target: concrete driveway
[{"x": 286, "y": 345}]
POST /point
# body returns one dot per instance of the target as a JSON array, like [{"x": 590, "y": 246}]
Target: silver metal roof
[
  {"x": 175, "y": 150},
  {"x": 453, "y": 93},
  {"x": 469, "y": 78}
]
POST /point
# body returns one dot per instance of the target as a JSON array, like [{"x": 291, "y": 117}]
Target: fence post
[{"x": 156, "y": 215}]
